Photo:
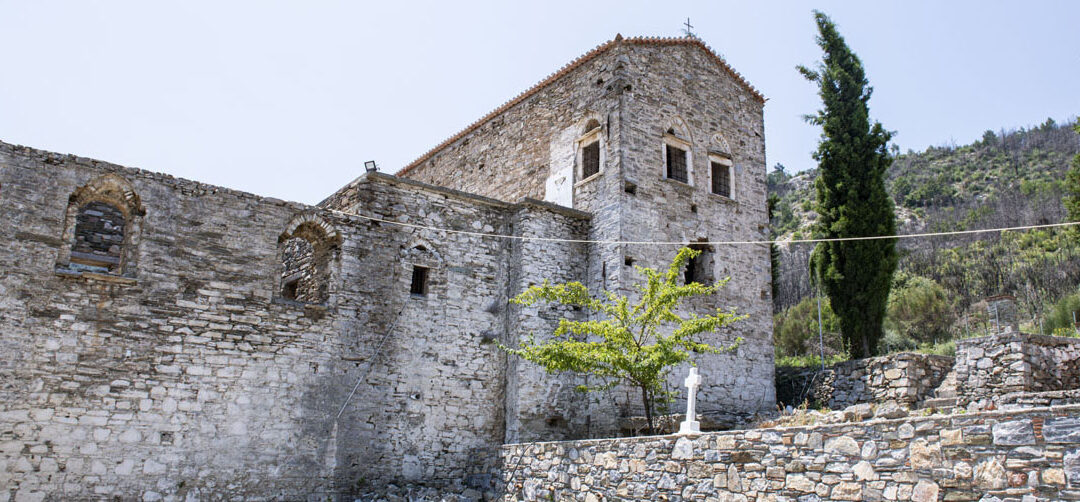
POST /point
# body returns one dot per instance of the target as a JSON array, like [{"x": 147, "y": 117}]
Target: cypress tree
[
  {"x": 1072, "y": 189},
  {"x": 852, "y": 158}
]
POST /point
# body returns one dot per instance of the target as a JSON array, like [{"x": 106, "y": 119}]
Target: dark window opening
[
  {"x": 700, "y": 268},
  {"x": 693, "y": 208},
  {"x": 590, "y": 159},
  {"x": 419, "y": 281},
  {"x": 630, "y": 188},
  {"x": 721, "y": 179},
  {"x": 628, "y": 261},
  {"x": 99, "y": 237},
  {"x": 676, "y": 163},
  {"x": 288, "y": 290}
]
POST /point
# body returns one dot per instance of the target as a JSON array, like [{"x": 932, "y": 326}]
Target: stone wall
[
  {"x": 1031, "y": 455},
  {"x": 995, "y": 365},
  {"x": 190, "y": 375},
  {"x": 905, "y": 378}
]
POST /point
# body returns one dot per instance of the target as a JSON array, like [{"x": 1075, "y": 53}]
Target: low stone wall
[
  {"x": 1029, "y": 454},
  {"x": 906, "y": 378},
  {"x": 991, "y": 366}
]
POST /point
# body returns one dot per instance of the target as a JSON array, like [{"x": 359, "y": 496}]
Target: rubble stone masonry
[
  {"x": 193, "y": 376},
  {"x": 166, "y": 339},
  {"x": 1029, "y": 455}
]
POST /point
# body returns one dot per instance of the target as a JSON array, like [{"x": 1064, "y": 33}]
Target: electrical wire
[{"x": 711, "y": 243}]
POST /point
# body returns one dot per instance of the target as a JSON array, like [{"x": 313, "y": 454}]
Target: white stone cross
[{"x": 690, "y": 425}]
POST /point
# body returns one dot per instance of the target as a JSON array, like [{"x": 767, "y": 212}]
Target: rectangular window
[
  {"x": 419, "y": 281},
  {"x": 676, "y": 164},
  {"x": 721, "y": 179},
  {"x": 590, "y": 159}
]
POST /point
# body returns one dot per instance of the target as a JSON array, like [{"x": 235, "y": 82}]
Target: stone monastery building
[{"x": 163, "y": 337}]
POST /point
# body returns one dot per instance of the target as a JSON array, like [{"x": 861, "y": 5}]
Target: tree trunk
[{"x": 648, "y": 411}]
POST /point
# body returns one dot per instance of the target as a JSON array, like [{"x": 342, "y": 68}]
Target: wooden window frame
[
  {"x": 588, "y": 139},
  {"x": 723, "y": 161},
  {"x": 681, "y": 144}
]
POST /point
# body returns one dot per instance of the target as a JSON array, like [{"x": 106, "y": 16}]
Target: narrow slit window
[
  {"x": 721, "y": 179},
  {"x": 676, "y": 163},
  {"x": 590, "y": 159},
  {"x": 419, "y": 281},
  {"x": 691, "y": 273}
]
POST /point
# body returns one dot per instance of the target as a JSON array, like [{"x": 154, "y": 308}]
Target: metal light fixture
[{"x": 370, "y": 166}]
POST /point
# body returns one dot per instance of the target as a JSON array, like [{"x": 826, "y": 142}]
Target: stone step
[
  {"x": 947, "y": 388},
  {"x": 940, "y": 402},
  {"x": 943, "y": 393}
]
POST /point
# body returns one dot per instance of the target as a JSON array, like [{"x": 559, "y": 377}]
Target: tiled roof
[{"x": 588, "y": 56}]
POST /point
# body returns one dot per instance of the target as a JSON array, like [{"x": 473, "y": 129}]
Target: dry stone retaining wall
[
  {"x": 905, "y": 378},
  {"x": 996, "y": 365},
  {"x": 1030, "y": 455}
]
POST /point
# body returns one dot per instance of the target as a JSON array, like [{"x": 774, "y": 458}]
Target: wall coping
[
  {"x": 869, "y": 360},
  {"x": 911, "y": 419},
  {"x": 1047, "y": 340},
  {"x": 377, "y": 177}
]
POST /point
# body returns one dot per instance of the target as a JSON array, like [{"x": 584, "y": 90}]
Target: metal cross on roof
[{"x": 688, "y": 28}]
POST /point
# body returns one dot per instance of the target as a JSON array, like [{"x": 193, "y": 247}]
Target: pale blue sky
[{"x": 288, "y": 99}]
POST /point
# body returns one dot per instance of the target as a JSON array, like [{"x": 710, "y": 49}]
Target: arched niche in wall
[
  {"x": 308, "y": 252},
  {"x": 102, "y": 226}
]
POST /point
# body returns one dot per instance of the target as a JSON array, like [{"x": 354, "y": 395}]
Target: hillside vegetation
[{"x": 1006, "y": 179}]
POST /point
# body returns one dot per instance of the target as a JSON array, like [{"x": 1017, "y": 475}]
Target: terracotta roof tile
[{"x": 588, "y": 56}]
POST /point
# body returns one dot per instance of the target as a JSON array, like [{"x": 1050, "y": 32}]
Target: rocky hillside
[{"x": 1008, "y": 178}]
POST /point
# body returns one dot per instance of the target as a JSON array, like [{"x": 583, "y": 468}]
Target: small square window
[
  {"x": 676, "y": 163},
  {"x": 721, "y": 179},
  {"x": 419, "y": 281}
]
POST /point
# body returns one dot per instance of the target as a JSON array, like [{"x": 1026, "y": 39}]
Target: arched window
[
  {"x": 102, "y": 227},
  {"x": 721, "y": 167},
  {"x": 590, "y": 156},
  {"x": 423, "y": 265},
  {"x": 676, "y": 152},
  {"x": 307, "y": 251}
]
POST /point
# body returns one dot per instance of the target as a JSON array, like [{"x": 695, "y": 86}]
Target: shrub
[
  {"x": 1060, "y": 316},
  {"x": 919, "y": 310},
  {"x": 795, "y": 330}
]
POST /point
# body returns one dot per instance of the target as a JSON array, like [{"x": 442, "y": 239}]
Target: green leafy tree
[
  {"x": 1072, "y": 185},
  {"x": 631, "y": 342},
  {"x": 851, "y": 199}
]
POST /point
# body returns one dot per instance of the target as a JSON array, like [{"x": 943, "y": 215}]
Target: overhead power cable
[{"x": 711, "y": 243}]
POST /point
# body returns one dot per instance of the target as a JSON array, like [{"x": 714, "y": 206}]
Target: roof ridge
[{"x": 570, "y": 66}]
